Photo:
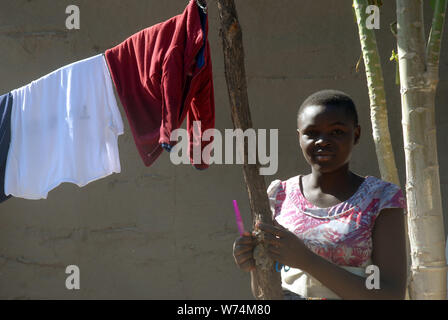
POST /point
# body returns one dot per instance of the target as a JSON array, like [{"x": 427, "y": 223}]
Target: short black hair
[{"x": 334, "y": 98}]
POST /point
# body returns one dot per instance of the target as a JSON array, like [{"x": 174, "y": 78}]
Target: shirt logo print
[{"x": 84, "y": 114}]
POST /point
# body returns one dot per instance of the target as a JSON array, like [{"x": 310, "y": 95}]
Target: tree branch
[{"x": 267, "y": 281}]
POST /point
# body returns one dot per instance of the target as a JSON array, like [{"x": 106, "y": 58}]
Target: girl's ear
[{"x": 357, "y": 133}]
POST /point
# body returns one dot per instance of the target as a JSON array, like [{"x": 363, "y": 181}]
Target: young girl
[{"x": 332, "y": 224}]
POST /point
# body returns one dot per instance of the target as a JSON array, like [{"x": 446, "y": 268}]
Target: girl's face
[{"x": 327, "y": 136}]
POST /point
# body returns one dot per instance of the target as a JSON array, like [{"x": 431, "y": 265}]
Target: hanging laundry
[
  {"x": 5, "y": 139},
  {"x": 162, "y": 75},
  {"x": 64, "y": 128}
]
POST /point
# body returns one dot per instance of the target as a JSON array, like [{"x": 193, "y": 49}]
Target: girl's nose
[{"x": 322, "y": 142}]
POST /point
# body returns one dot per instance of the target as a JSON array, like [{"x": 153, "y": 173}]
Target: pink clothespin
[{"x": 239, "y": 221}]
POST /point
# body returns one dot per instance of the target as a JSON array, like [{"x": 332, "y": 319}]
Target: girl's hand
[
  {"x": 243, "y": 248},
  {"x": 285, "y": 247}
]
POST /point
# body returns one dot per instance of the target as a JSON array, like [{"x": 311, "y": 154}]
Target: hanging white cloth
[{"x": 64, "y": 128}]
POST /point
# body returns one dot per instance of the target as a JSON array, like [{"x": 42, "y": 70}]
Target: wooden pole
[{"x": 266, "y": 281}]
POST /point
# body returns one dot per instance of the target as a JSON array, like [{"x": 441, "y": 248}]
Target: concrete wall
[{"x": 166, "y": 231}]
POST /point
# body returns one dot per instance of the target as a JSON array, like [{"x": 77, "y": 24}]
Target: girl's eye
[
  {"x": 311, "y": 133},
  {"x": 337, "y": 132}
]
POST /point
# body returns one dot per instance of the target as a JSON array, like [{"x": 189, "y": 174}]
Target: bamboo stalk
[
  {"x": 378, "y": 104},
  {"x": 425, "y": 218},
  {"x": 267, "y": 281},
  {"x": 377, "y": 95}
]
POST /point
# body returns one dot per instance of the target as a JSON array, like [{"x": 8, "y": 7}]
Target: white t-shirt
[{"x": 64, "y": 128}]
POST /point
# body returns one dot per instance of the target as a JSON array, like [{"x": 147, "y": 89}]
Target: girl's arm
[{"x": 389, "y": 255}]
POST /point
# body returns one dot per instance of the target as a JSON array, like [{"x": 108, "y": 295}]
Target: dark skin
[{"x": 327, "y": 137}]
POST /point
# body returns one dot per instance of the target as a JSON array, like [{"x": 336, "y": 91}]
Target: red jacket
[{"x": 159, "y": 83}]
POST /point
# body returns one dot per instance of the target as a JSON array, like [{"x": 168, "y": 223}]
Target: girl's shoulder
[
  {"x": 379, "y": 187},
  {"x": 276, "y": 194},
  {"x": 386, "y": 194},
  {"x": 281, "y": 185}
]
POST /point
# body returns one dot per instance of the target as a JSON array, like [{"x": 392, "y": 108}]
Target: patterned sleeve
[
  {"x": 273, "y": 189},
  {"x": 392, "y": 197}
]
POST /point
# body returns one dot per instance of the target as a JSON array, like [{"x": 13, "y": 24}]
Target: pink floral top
[{"x": 342, "y": 233}]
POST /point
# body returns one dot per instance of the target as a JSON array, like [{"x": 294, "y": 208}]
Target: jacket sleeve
[
  {"x": 171, "y": 89},
  {"x": 203, "y": 110}
]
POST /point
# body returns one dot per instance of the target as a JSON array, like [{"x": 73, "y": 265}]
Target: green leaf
[
  {"x": 358, "y": 63},
  {"x": 394, "y": 57},
  {"x": 433, "y": 4},
  {"x": 354, "y": 15},
  {"x": 393, "y": 28}
]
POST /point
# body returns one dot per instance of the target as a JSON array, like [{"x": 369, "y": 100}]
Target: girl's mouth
[{"x": 323, "y": 156}]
